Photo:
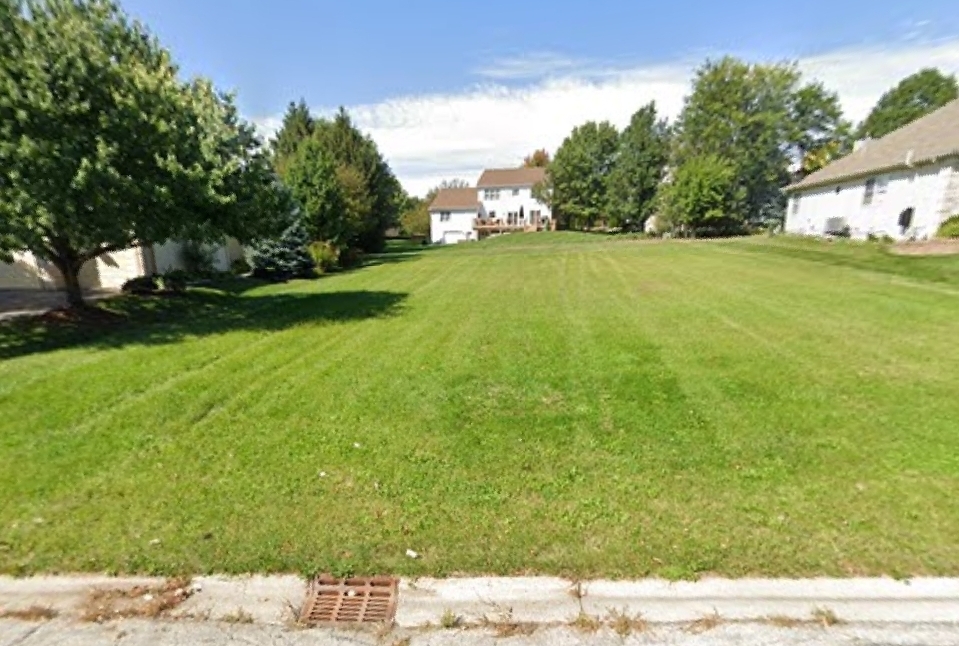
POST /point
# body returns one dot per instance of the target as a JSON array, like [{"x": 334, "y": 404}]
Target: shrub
[
  {"x": 325, "y": 255},
  {"x": 197, "y": 259},
  {"x": 949, "y": 228},
  {"x": 141, "y": 285},
  {"x": 240, "y": 266}
]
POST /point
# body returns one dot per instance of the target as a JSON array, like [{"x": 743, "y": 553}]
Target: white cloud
[
  {"x": 432, "y": 137},
  {"x": 528, "y": 66}
]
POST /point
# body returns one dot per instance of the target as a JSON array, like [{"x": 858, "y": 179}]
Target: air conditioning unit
[{"x": 836, "y": 227}]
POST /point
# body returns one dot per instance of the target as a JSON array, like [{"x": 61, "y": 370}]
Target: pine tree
[
  {"x": 285, "y": 257},
  {"x": 298, "y": 126}
]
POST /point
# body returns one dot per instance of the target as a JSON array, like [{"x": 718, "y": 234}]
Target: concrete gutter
[
  {"x": 274, "y": 600},
  {"x": 544, "y": 600}
]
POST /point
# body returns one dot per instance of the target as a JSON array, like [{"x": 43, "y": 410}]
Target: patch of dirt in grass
[
  {"x": 77, "y": 316},
  {"x": 33, "y": 613},
  {"x": 926, "y": 248},
  {"x": 147, "y": 602}
]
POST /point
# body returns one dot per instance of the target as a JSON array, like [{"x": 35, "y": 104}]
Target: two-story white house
[
  {"x": 501, "y": 202},
  {"x": 902, "y": 185}
]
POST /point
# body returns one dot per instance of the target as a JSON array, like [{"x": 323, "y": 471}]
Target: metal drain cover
[{"x": 349, "y": 601}]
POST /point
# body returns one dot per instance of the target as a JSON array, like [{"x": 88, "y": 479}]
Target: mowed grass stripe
[{"x": 560, "y": 404}]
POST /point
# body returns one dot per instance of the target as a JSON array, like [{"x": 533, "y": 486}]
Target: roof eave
[
  {"x": 523, "y": 185},
  {"x": 792, "y": 188}
]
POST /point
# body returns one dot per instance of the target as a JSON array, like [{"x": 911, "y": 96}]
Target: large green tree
[
  {"x": 818, "y": 133},
  {"x": 761, "y": 119},
  {"x": 415, "y": 218},
  {"x": 639, "y": 168},
  {"x": 579, "y": 174},
  {"x": 350, "y": 148},
  {"x": 915, "y": 96},
  {"x": 311, "y": 175},
  {"x": 103, "y": 147},
  {"x": 703, "y": 197}
]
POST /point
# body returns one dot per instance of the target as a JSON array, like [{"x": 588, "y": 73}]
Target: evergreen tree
[
  {"x": 374, "y": 193},
  {"x": 285, "y": 257},
  {"x": 298, "y": 126}
]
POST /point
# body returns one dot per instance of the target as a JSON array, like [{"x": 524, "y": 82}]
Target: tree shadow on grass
[{"x": 133, "y": 320}]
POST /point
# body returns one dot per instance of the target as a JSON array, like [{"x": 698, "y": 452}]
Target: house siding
[
  {"x": 109, "y": 271},
  {"x": 925, "y": 189},
  {"x": 508, "y": 203},
  {"x": 459, "y": 227}
]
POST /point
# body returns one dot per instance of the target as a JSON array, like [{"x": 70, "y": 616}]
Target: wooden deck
[{"x": 488, "y": 227}]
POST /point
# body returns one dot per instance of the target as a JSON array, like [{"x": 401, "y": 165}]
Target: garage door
[{"x": 452, "y": 237}]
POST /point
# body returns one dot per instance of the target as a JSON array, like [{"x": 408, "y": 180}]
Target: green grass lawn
[{"x": 542, "y": 403}]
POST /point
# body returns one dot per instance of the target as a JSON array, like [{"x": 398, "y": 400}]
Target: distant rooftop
[
  {"x": 455, "y": 199},
  {"x": 511, "y": 177}
]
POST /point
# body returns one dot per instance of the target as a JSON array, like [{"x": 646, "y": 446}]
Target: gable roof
[
  {"x": 923, "y": 141},
  {"x": 500, "y": 177},
  {"x": 455, "y": 199}
]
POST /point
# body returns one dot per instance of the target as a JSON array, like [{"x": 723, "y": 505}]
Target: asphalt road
[{"x": 169, "y": 633}]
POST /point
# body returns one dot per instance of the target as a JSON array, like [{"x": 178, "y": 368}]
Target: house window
[
  {"x": 445, "y": 216},
  {"x": 492, "y": 215},
  {"x": 882, "y": 185},
  {"x": 869, "y": 192},
  {"x": 795, "y": 205},
  {"x": 491, "y": 194},
  {"x": 838, "y": 190},
  {"x": 515, "y": 192}
]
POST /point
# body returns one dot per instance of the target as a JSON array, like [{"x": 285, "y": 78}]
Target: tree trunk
[
  {"x": 69, "y": 262},
  {"x": 71, "y": 282}
]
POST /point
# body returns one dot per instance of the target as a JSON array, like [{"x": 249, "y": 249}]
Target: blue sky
[{"x": 402, "y": 66}]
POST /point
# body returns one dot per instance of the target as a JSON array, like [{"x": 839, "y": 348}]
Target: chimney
[{"x": 909, "y": 158}]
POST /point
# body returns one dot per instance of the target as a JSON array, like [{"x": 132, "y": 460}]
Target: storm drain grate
[{"x": 349, "y": 601}]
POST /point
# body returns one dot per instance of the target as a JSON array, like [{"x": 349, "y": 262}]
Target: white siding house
[
  {"x": 452, "y": 215},
  {"x": 902, "y": 185},
  {"x": 501, "y": 202},
  {"x": 109, "y": 271}
]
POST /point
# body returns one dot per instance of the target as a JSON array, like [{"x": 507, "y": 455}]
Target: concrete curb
[
  {"x": 541, "y": 600},
  {"x": 556, "y": 600}
]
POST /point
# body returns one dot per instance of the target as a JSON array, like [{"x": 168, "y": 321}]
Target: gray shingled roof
[
  {"x": 511, "y": 177},
  {"x": 924, "y": 141},
  {"x": 455, "y": 199}
]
